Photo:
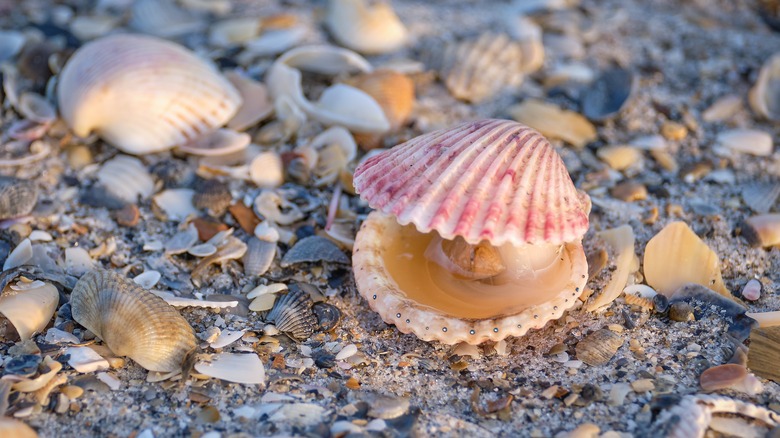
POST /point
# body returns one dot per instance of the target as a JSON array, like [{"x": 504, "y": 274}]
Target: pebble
[
  {"x": 681, "y": 311},
  {"x": 586, "y": 430},
  {"x": 722, "y": 109},
  {"x": 674, "y": 131},
  {"x": 72, "y": 392},
  {"x": 752, "y": 290},
  {"x": 749, "y": 141},
  {"x": 128, "y": 216},
  {"x": 661, "y": 303},
  {"x": 642, "y": 385}
]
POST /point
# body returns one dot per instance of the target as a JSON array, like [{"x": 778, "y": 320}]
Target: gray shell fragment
[
  {"x": 314, "y": 249},
  {"x": 259, "y": 256},
  {"x": 608, "y": 94}
]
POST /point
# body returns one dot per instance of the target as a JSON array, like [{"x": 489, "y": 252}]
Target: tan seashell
[
  {"x": 764, "y": 97},
  {"x": 393, "y": 91},
  {"x": 143, "y": 94},
  {"x": 762, "y": 230},
  {"x": 131, "y": 321},
  {"x": 555, "y": 122},
  {"x": 764, "y": 353},
  {"x": 29, "y": 311},
  {"x": 15, "y": 428},
  {"x": 599, "y": 347},
  {"x": 676, "y": 256},
  {"x": 256, "y": 105},
  {"x": 364, "y": 26},
  {"x": 475, "y": 70},
  {"x": 479, "y": 187},
  {"x": 730, "y": 376}
]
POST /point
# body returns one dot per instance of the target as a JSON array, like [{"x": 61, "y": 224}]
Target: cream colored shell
[
  {"x": 364, "y": 26},
  {"x": 143, "y": 94}
]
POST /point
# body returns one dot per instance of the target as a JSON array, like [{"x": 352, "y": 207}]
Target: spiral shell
[
  {"x": 493, "y": 180},
  {"x": 17, "y": 197},
  {"x": 132, "y": 321},
  {"x": 143, "y": 94}
]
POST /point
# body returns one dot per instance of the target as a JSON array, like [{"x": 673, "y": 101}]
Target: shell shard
[
  {"x": 143, "y": 94},
  {"x": 29, "y": 311},
  {"x": 493, "y": 180},
  {"x": 126, "y": 178},
  {"x": 132, "y": 321},
  {"x": 259, "y": 256},
  {"x": 293, "y": 315}
]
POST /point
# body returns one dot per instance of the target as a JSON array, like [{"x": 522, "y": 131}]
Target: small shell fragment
[
  {"x": 762, "y": 230},
  {"x": 314, "y": 249},
  {"x": 258, "y": 257},
  {"x": 554, "y": 122},
  {"x": 622, "y": 240},
  {"x": 760, "y": 197},
  {"x": 730, "y": 376},
  {"x": 19, "y": 256},
  {"x": 749, "y": 141},
  {"x": 365, "y": 26},
  {"x": 126, "y": 178},
  {"x": 608, "y": 94},
  {"x": 256, "y": 105},
  {"x": 176, "y": 203},
  {"x": 29, "y": 311},
  {"x": 232, "y": 367},
  {"x": 219, "y": 142},
  {"x": 764, "y": 97},
  {"x": 597, "y": 348},
  {"x": 147, "y": 279}
]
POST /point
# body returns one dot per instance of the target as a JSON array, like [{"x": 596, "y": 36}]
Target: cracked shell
[
  {"x": 143, "y": 94},
  {"x": 132, "y": 321}
]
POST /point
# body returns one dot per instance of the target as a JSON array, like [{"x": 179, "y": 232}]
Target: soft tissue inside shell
[{"x": 534, "y": 274}]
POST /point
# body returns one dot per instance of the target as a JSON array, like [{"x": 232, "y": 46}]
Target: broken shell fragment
[
  {"x": 730, "y": 376},
  {"x": 555, "y": 122},
  {"x": 314, "y": 249},
  {"x": 761, "y": 197},
  {"x": 219, "y": 142},
  {"x": 256, "y": 105},
  {"x": 599, "y": 347},
  {"x": 292, "y": 314},
  {"x": 608, "y": 94},
  {"x": 143, "y": 94},
  {"x": 762, "y": 230},
  {"x": 132, "y": 321},
  {"x": 233, "y": 367},
  {"x": 749, "y": 141},
  {"x": 676, "y": 256},
  {"x": 392, "y": 90},
  {"x": 622, "y": 241},
  {"x": 764, "y": 97},
  {"x": 259, "y": 256},
  {"x": 365, "y": 26},
  {"x": 30, "y": 310},
  {"x": 451, "y": 204},
  {"x": 17, "y": 197}
]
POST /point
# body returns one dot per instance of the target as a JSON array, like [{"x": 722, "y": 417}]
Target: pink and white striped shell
[
  {"x": 477, "y": 237},
  {"x": 143, "y": 94},
  {"x": 494, "y": 180}
]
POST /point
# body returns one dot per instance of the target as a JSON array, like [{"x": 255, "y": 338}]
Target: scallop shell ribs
[{"x": 132, "y": 321}]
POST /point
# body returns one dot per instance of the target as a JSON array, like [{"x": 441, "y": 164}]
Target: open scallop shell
[
  {"x": 493, "y": 180},
  {"x": 365, "y": 26},
  {"x": 143, "y": 94},
  {"x": 428, "y": 311},
  {"x": 132, "y": 321}
]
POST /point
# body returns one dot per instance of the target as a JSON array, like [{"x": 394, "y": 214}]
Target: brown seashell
[
  {"x": 762, "y": 230},
  {"x": 599, "y": 347},
  {"x": 212, "y": 195},
  {"x": 17, "y": 197},
  {"x": 493, "y": 180},
  {"x": 143, "y": 94},
  {"x": 478, "y": 237},
  {"x": 764, "y": 353},
  {"x": 676, "y": 256},
  {"x": 132, "y": 321}
]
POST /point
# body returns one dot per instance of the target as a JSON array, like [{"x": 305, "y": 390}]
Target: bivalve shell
[
  {"x": 293, "y": 315},
  {"x": 17, "y": 197},
  {"x": 764, "y": 97},
  {"x": 493, "y": 180},
  {"x": 132, "y": 321},
  {"x": 392, "y": 90},
  {"x": 30, "y": 310},
  {"x": 126, "y": 178},
  {"x": 259, "y": 256},
  {"x": 599, "y": 347},
  {"x": 365, "y": 26},
  {"x": 143, "y": 94}
]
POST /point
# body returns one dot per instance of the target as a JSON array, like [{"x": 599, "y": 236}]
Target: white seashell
[
  {"x": 202, "y": 250},
  {"x": 85, "y": 359},
  {"x": 11, "y": 43},
  {"x": 221, "y": 239},
  {"x": 339, "y": 104},
  {"x": 275, "y": 208},
  {"x": 163, "y": 18},
  {"x": 347, "y": 352},
  {"x": 22, "y": 285},
  {"x": 238, "y": 368},
  {"x": 148, "y": 279},
  {"x": 19, "y": 256},
  {"x": 181, "y": 241},
  {"x": 267, "y": 170},
  {"x": 40, "y": 236},
  {"x": 219, "y": 142},
  {"x": 749, "y": 141},
  {"x": 226, "y": 338},
  {"x": 29, "y": 311},
  {"x": 764, "y": 97},
  {"x": 234, "y": 31},
  {"x": 256, "y": 105},
  {"x": 57, "y": 336},
  {"x": 266, "y": 289},
  {"x": 263, "y": 303},
  {"x": 640, "y": 290},
  {"x": 89, "y": 27},
  {"x": 110, "y": 380},
  {"x": 143, "y": 94},
  {"x": 78, "y": 261},
  {"x": 126, "y": 178},
  {"x": 175, "y": 301},
  {"x": 367, "y": 27},
  {"x": 274, "y": 42},
  {"x": 176, "y": 203},
  {"x": 265, "y": 231}
]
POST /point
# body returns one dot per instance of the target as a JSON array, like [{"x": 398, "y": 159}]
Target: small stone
[
  {"x": 352, "y": 383},
  {"x": 24, "y": 365},
  {"x": 128, "y": 216},
  {"x": 681, "y": 311},
  {"x": 722, "y": 109},
  {"x": 245, "y": 217},
  {"x": 346, "y": 352},
  {"x": 674, "y": 131},
  {"x": 642, "y": 385},
  {"x": 696, "y": 171},
  {"x": 749, "y": 141},
  {"x": 660, "y": 303},
  {"x": 209, "y": 414},
  {"x": 752, "y": 290},
  {"x": 620, "y": 157},
  {"x": 586, "y": 430},
  {"x": 629, "y": 191}
]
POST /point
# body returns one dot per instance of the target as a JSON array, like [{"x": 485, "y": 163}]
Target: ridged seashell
[
  {"x": 314, "y": 249},
  {"x": 258, "y": 257},
  {"x": 493, "y": 180},
  {"x": 212, "y": 195},
  {"x": 676, "y": 256},
  {"x": 126, "y": 178},
  {"x": 695, "y": 414},
  {"x": 762, "y": 230},
  {"x": 292, "y": 314},
  {"x": 365, "y": 26},
  {"x": 761, "y": 197},
  {"x": 132, "y": 321},
  {"x": 764, "y": 353},
  {"x": 608, "y": 94},
  {"x": 30, "y": 310},
  {"x": 17, "y": 197},
  {"x": 475, "y": 70},
  {"x": 267, "y": 170},
  {"x": 501, "y": 253},
  {"x": 163, "y": 18},
  {"x": 764, "y": 97},
  {"x": 598, "y": 347},
  {"x": 143, "y": 94},
  {"x": 392, "y": 90}
]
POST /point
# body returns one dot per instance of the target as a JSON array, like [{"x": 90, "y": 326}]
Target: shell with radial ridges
[
  {"x": 143, "y": 94},
  {"x": 493, "y": 180}
]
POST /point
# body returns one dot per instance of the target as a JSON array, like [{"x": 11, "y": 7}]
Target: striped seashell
[
  {"x": 258, "y": 257},
  {"x": 293, "y": 315},
  {"x": 132, "y": 321},
  {"x": 17, "y": 197},
  {"x": 493, "y": 180},
  {"x": 143, "y": 94},
  {"x": 126, "y": 178}
]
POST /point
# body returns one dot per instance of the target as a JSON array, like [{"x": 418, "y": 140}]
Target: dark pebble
[
  {"x": 660, "y": 303},
  {"x": 328, "y": 316},
  {"x": 324, "y": 360},
  {"x": 25, "y": 365}
]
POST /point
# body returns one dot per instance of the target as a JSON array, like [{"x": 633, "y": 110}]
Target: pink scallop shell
[{"x": 494, "y": 180}]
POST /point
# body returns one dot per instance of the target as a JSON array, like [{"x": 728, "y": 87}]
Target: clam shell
[
  {"x": 764, "y": 97},
  {"x": 392, "y": 90},
  {"x": 599, "y": 347},
  {"x": 126, "y": 178},
  {"x": 258, "y": 257},
  {"x": 292, "y": 314},
  {"x": 314, "y": 249},
  {"x": 364, "y": 26},
  {"x": 30, "y": 310},
  {"x": 212, "y": 195},
  {"x": 475, "y": 70},
  {"x": 132, "y": 321},
  {"x": 143, "y": 94},
  {"x": 376, "y": 284},
  {"x": 17, "y": 197},
  {"x": 493, "y": 180}
]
